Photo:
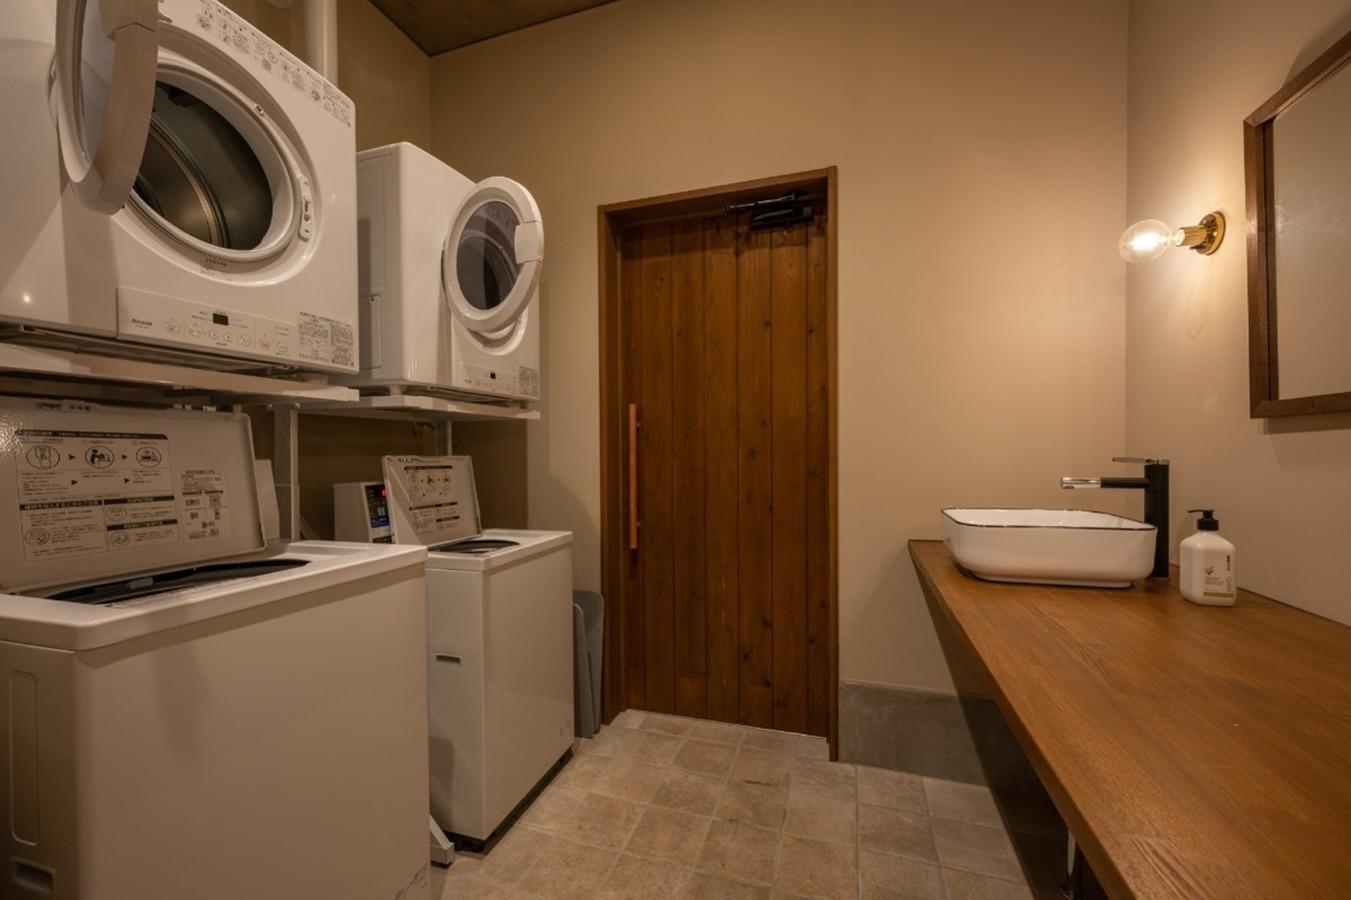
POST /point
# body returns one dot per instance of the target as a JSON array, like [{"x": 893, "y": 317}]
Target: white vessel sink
[{"x": 1051, "y": 546}]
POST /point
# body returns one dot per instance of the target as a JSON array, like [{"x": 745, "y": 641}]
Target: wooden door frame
[{"x": 612, "y": 219}]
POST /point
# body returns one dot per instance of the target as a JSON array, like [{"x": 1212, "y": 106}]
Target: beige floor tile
[
  {"x": 976, "y": 848},
  {"x": 512, "y": 857},
  {"x": 654, "y": 747},
  {"x": 739, "y": 852},
  {"x": 762, "y": 805},
  {"x": 580, "y": 772},
  {"x": 710, "y": 887},
  {"x": 893, "y": 790},
  {"x": 970, "y": 886},
  {"x": 677, "y": 725},
  {"x": 467, "y": 887},
  {"x": 886, "y": 877},
  {"x": 962, "y": 802},
  {"x": 644, "y": 879},
  {"x": 820, "y": 818},
  {"x": 601, "y": 820},
  {"x": 826, "y": 779},
  {"x": 716, "y": 732},
  {"x": 892, "y": 831},
  {"x": 553, "y": 808},
  {"x": 611, "y": 741},
  {"x": 566, "y": 870},
  {"x": 689, "y": 792},
  {"x": 669, "y": 834},
  {"x": 630, "y": 718},
  {"x": 816, "y": 869},
  {"x": 705, "y": 758},
  {"x": 630, "y": 779},
  {"x": 803, "y": 745},
  {"x": 760, "y": 766}
]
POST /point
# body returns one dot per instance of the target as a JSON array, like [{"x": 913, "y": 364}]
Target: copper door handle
[{"x": 633, "y": 476}]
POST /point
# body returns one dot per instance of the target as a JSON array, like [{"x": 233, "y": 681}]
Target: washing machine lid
[
  {"x": 90, "y": 493},
  {"x": 107, "y": 54},
  {"x": 491, "y": 258},
  {"x": 432, "y": 499},
  {"x": 321, "y": 571},
  {"x": 524, "y": 546}
]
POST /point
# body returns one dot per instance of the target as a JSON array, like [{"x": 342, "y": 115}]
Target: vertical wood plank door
[{"x": 724, "y": 357}]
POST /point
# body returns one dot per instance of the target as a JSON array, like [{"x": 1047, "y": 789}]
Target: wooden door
[{"x": 724, "y": 357}]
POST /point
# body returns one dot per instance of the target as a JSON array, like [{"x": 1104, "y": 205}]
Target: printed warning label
[
  {"x": 83, "y": 492},
  {"x": 203, "y": 504},
  {"x": 431, "y": 498},
  {"x": 529, "y": 381},
  {"x": 326, "y": 340}
]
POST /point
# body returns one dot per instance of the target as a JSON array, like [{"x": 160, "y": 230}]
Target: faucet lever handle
[{"x": 1140, "y": 460}]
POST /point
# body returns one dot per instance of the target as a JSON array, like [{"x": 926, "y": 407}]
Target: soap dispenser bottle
[{"x": 1207, "y": 559}]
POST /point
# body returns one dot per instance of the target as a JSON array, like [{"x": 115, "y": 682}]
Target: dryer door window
[
  {"x": 106, "y": 55},
  {"x": 491, "y": 259},
  {"x": 201, "y": 176},
  {"x": 219, "y": 178}
]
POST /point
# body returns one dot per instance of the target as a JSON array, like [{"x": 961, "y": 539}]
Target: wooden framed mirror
[{"x": 1296, "y": 147}]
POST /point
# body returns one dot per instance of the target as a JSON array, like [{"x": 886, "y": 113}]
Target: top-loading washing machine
[
  {"x": 499, "y": 637},
  {"x": 177, "y": 185},
  {"x": 449, "y": 278},
  {"x": 189, "y": 712}
]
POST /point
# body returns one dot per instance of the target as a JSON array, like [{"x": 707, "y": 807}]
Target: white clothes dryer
[
  {"x": 185, "y": 724},
  {"x": 449, "y": 278},
  {"x": 175, "y": 180}
]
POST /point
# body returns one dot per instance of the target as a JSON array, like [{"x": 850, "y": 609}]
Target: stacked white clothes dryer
[
  {"x": 189, "y": 712},
  {"x": 449, "y": 279},
  {"x": 176, "y": 186}
]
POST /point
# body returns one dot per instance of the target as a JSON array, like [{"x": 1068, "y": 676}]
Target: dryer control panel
[
  {"x": 361, "y": 512},
  {"x": 315, "y": 341}
]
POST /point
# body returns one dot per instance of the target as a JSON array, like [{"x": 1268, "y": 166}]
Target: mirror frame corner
[{"x": 1265, "y": 400}]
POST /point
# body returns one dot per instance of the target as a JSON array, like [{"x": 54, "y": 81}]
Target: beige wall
[
  {"x": 1283, "y": 487},
  {"x": 981, "y": 153}
]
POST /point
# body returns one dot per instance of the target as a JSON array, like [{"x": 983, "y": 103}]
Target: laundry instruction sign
[
  {"x": 84, "y": 492},
  {"x": 432, "y": 500}
]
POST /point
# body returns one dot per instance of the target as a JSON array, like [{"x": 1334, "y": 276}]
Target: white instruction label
[
  {"x": 204, "y": 516},
  {"x": 431, "y": 498},
  {"x": 529, "y": 381},
  {"x": 326, "y": 340},
  {"x": 83, "y": 492}
]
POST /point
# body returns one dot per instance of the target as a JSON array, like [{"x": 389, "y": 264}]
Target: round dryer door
[
  {"x": 106, "y": 56},
  {"x": 491, "y": 259}
]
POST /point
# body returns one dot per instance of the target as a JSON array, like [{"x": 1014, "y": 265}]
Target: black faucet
[{"x": 1155, "y": 486}]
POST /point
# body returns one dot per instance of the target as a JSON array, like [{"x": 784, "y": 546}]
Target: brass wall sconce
[{"x": 1150, "y": 238}]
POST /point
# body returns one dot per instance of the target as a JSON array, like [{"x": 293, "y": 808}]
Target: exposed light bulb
[{"x": 1146, "y": 240}]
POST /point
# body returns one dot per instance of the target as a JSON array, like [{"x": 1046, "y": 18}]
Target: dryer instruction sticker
[
  {"x": 326, "y": 340},
  {"x": 83, "y": 492}
]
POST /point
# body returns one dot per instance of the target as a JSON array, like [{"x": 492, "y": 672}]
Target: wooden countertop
[{"x": 1193, "y": 751}]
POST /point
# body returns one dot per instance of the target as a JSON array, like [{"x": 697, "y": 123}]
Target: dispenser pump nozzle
[{"x": 1207, "y": 522}]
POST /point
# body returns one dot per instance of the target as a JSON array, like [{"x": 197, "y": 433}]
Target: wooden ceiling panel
[{"x": 437, "y": 25}]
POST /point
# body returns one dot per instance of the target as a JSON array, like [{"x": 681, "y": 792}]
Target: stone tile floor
[{"x": 660, "y": 806}]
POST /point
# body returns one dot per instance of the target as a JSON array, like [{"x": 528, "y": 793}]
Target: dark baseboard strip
[{"x": 959, "y": 737}]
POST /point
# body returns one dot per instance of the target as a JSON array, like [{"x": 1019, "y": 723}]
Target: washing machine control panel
[
  {"x": 361, "y": 512},
  {"x": 313, "y": 341}
]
